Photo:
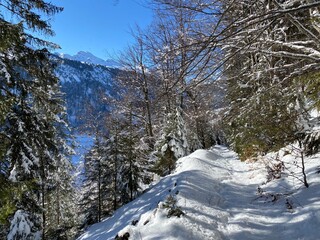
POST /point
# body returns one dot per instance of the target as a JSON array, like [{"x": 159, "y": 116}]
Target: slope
[
  {"x": 86, "y": 88},
  {"x": 218, "y": 196}
]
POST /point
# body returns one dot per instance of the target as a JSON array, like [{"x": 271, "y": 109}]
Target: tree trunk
[
  {"x": 131, "y": 158},
  {"x": 58, "y": 204},
  {"x": 42, "y": 174},
  {"x": 43, "y": 210},
  {"x": 99, "y": 192},
  {"x": 115, "y": 172},
  {"x": 147, "y": 104},
  {"x": 305, "y": 182}
]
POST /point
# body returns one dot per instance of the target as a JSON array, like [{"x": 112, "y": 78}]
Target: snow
[
  {"x": 87, "y": 57},
  {"x": 21, "y": 227},
  {"x": 83, "y": 73},
  {"x": 4, "y": 72},
  {"x": 223, "y": 198}
]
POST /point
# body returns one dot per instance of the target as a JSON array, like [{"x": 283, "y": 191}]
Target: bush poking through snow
[
  {"x": 123, "y": 237},
  {"x": 274, "y": 170},
  {"x": 174, "y": 210},
  {"x": 170, "y": 202},
  {"x": 134, "y": 222},
  {"x": 289, "y": 204},
  {"x": 274, "y": 197}
]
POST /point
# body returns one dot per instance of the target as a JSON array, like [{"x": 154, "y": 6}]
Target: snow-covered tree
[
  {"x": 267, "y": 55},
  {"x": 172, "y": 144},
  {"x": 134, "y": 164},
  {"x": 61, "y": 202},
  {"x": 32, "y": 125},
  {"x": 96, "y": 188},
  {"x": 23, "y": 226}
]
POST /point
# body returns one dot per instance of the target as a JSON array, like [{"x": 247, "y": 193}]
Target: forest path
[{"x": 218, "y": 196}]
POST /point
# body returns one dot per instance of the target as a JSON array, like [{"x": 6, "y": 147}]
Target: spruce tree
[
  {"x": 133, "y": 163},
  {"x": 32, "y": 124},
  {"x": 92, "y": 188},
  {"x": 172, "y": 143},
  {"x": 100, "y": 190}
]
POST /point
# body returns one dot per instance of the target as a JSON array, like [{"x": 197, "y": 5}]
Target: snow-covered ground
[{"x": 222, "y": 198}]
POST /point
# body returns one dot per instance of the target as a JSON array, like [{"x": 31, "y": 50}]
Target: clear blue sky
[{"x": 101, "y": 27}]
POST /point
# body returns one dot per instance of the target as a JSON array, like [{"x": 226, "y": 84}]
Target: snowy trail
[{"x": 217, "y": 193}]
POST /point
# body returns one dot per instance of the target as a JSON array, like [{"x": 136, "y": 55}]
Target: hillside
[
  {"x": 86, "y": 87},
  {"x": 221, "y": 198}
]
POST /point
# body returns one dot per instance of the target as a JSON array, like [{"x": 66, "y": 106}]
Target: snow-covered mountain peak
[{"x": 87, "y": 57}]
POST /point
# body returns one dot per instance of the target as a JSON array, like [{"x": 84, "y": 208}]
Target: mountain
[
  {"x": 89, "y": 58},
  {"x": 86, "y": 87},
  {"x": 216, "y": 196}
]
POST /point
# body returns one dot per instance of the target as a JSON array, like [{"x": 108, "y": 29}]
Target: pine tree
[
  {"x": 61, "y": 202},
  {"x": 32, "y": 122},
  {"x": 172, "y": 144},
  {"x": 113, "y": 151},
  {"x": 124, "y": 159},
  {"x": 101, "y": 194},
  {"x": 23, "y": 227},
  {"x": 97, "y": 180},
  {"x": 133, "y": 162}
]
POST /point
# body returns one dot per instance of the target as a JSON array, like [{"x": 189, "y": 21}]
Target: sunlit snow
[{"x": 220, "y": 199}]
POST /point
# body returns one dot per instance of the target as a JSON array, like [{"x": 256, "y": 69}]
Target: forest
[{"x": 243, "y": 74}]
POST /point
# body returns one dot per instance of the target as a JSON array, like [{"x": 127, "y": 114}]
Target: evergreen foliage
[
  {"x": 172, "y": 144},
  {"x": 265, "y": 53},
  {"x": 34, "y": 152},
  {"x": 23, "y": 226},
  {"x": 94, "y": 176},
  {"x": 113, "y": 171}
]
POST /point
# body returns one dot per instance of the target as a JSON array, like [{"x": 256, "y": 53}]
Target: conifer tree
[
  {"x": 172, "y": 144},
  {"x": 125, "y": 158},
  {"x": 132, "y": 168},
  {"x": 101, "y": 192},
  {"x": 32, "y": 124},
  {"x": 92, "y": 189}
]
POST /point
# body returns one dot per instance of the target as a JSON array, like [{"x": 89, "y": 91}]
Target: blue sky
[{"x": 101, "y": 27}]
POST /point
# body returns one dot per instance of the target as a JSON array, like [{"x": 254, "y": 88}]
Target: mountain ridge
[
  {"x": 85, "y": 87},
  {"x": 88, "y": 57}
]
